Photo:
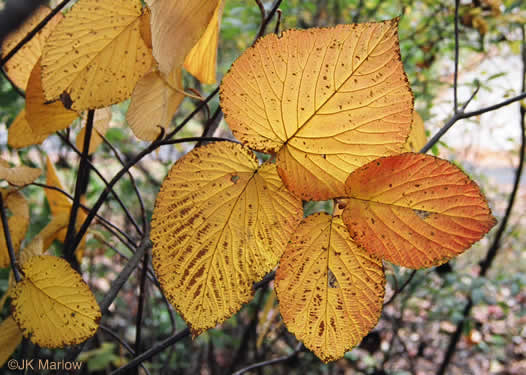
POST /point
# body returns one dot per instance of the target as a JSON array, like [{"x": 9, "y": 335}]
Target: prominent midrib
[
  {"x": 336, "y": 90},
  {"x": 214, "y": 252}
]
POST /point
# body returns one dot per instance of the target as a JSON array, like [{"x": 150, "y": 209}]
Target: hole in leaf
[
  {"x": 422, "y": 214},
  {"x": 234, "y": 179},
  {"x": 332, "y": 282}
]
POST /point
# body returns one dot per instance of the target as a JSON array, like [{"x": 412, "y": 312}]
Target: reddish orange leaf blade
[
  {"x": 330, "y": 290},
  {"x": 415, "y": 210}
]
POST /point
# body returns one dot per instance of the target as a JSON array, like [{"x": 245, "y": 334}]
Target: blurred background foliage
[{"x": 414, "y": 330}]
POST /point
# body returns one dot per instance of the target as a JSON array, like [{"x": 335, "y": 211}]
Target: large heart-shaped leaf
[
  {"x": 220, "y": 223},
  {"x": 325, "y": 100}
]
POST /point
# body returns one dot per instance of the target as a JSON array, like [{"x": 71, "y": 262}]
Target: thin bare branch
[
  {"x": 8, "y": 241},
  {"x": 270, "y": 362}
]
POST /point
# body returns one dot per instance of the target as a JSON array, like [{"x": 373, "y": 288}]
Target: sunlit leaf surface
[
  {"x": 220, "y": 223},
  {"x": 19, "y": 67},
  {"x": 201, "y": 60},
  {"x": 96, "y": 54},
  {"x": 415, "y": 210},
  {"x": 417, "y": 136},
  {"x": 44, "y": 118},
  {"x": 176, "y": 27},
  {"x": 330, "y": 290},
  {"x": 18, "y": 222},
  {"x": 52, "y": 305},
  {"x": 326, "y": 100},
  {"x": 20, "y": 133}
]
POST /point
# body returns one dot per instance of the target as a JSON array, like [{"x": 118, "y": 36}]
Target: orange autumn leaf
[
  {"x": 19, "y": 67},
  {"x": 330, "y": 290},
  {"x": 96, "y": 55},
  {"x": 201, "y": 60},
  {"x": 18, "y": 222},
  {"x": 60, "y": 206},
  {"x": 20, "y": 134},
  {"x": 44, "y": 118},
  {"x": 58, "y": 202},
  {"x": 415, "y": 210},
  {"x": 220, "y": 223},
  {"x": 325, "y": 100}
]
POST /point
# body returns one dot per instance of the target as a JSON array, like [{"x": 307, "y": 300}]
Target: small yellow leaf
[
  {"x": 415, "y": 210},
  {"x": 60, "y": 205},
  {"x": 330, "y": 290},
  {"x": 19, "y": 67},
  {"x": 154, "y": 103},
  {"x": 18, "y": 223},
  {"x": 101, "y": 124},
  {"x": 20, "y": 134},
  {"x": 52, "y": 305},
  {"x": 220, "y": 223},
  {"x": 58, "y": 202},
  {"x": 43, "y": 118},
  {"x": 417, "y": 136},
  {"x": 201, "y": 60},
  {"x": 47, "y": 235},
  {"x": 325, "y": 100},
  {"x": 10, "y": 338},
  {"x": 19, "y": 176},
  {"x": 96, "y": 54},
  {"x": 176, "y": 27},
  {"x": 267, "y": 320}
]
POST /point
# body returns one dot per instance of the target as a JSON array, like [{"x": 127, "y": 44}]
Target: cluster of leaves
[
  {"x": 328, "y": 104},
  {"x": 332, "y": 107}
]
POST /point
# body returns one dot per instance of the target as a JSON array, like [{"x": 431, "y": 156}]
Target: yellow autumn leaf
[
  {"x": 220, "y": 223},
  {"x": 19, "y": 67},
  {"x": 415, "y": 210},
  {"x": 19, "y": 176},
  {"x": 154, "y": 102},
  {"x": 38, "y": 246},
  {"x": 176, "y": 27},
  {"x": 44, "y": 118},
  {"x": 96, "y": 54},
  {"x": 18, "y": 223},
  {"x": 330, "y": 290},
  {"x": 46, "y": 236},
  {"x": 60, "y": 205},
  {"x": 201, "y": 60},
  {"x": 10, "y": 338},
  {"x": 20, "y": 134},
  {"x": 267, "y": 320},
  {"x": 417, "y": 136},
  {"x": 52, "y": 305},
  {"x": 58, "y": 202},
  {"x": 101, "y": 124},
  {"x": 325, "y": 100}
]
